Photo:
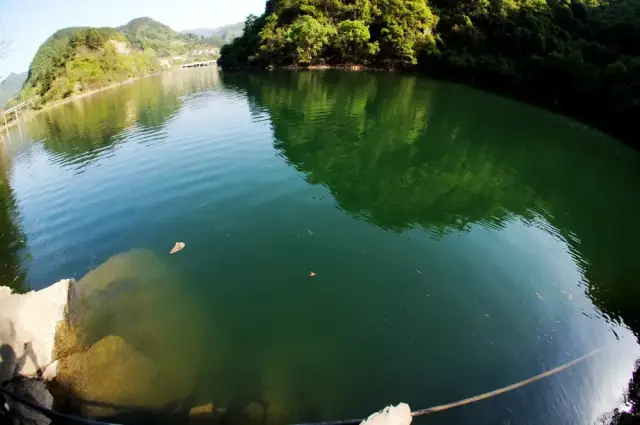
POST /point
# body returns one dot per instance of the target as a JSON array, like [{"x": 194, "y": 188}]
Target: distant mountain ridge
[
  {"x": 224, "y": 34},
  {"x": 10, "y": 86}
]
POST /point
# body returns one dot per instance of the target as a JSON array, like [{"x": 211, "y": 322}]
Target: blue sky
[{"x": 27, "y": 23}]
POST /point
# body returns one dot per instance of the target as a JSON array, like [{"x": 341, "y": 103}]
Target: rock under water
[{"x": 128, "y": 345}]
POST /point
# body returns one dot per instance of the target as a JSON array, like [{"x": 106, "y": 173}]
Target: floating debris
[
  {"x": 419, "y": 272},
  {"x": 539, "y": 296},
  {"x": 179, "y": 246},
  {"x": 311, "y": 274}
]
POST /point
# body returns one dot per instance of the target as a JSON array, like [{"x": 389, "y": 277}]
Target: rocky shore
[
  {"x": 108, "y": 344},
  {"x": 116, "y": 346}
]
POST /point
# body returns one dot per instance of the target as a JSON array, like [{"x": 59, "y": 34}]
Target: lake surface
[{"x": 462, "y": 242}]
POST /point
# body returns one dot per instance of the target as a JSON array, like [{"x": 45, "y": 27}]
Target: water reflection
[
  {"x": 440, "y": 157},
  {"x": 445, "y": 160},
  {"x": 12, "y": 238},
  {"x": 403, "y": 156},
  {"x": 416, "y": 168},
  {"x": 88, "y": 128}
]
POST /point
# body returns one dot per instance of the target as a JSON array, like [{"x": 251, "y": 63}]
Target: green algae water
[{"x": 461, "y": 241}]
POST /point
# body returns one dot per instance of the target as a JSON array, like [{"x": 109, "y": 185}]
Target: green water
[{"x": 462, "y": 242}]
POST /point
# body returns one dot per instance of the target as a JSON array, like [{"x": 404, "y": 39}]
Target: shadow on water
[{"x": 445, "y": 159}]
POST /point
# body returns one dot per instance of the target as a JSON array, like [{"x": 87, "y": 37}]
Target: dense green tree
[
  {"x": 246, "y": 50},
  {"x": 94, "y": 39},
  {"x": 352, "y": 40},
  {"x": 579, "y": 57},
  {"x": 403, "y": 27},
  {"x": 309, "y": 37}
]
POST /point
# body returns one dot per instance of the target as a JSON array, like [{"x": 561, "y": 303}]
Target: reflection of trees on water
[
  {"x": 416, "y": 169},
  {"x": 444, "y": 157},
  {"x": 156, "y": 104},
  {"x": 12, "y": 239},
  {"x": 85, "y": 130},
  {"x": 88, "y": 128}
]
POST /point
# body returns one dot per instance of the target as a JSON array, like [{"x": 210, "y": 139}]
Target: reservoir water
[{"x": 461, "y": 241}]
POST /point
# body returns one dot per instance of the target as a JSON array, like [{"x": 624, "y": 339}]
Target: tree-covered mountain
[
  {"x": 75, "y": 60},
  {"x": 10, "y": 86},
  {"x": 222, "y": 35},
  {"x": 579, "y": 57},
  {"x": 145, "y": 33}
]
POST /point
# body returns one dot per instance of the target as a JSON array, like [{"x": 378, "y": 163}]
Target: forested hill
[
  {"x": 145, "y": 33},
  {"x": 77, "y": 59},
  {"x": 578, "y": 57}
]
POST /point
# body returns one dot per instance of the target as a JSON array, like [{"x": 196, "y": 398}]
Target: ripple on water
[{"x": 438, "y": 220}]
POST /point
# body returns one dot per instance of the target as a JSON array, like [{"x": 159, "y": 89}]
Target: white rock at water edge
[
  {"x": 28, "y": 325},
  {"x": 390, "y": 415}
]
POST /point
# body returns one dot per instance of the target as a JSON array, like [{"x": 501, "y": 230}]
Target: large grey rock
[
  {"x": 33, "y": 390},
  {"x": 125, "y": 337},
  {"x": 28, "y": 325}
]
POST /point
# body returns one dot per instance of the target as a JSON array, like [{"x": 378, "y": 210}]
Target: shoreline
[
  {"x": 30, "y": 113},
  {"x": 621, "y": 133},
  {"x": 345, "y": 66},
  {"x": 92, "y": 92}
]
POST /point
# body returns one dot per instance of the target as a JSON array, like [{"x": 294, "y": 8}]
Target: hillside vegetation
[
  {"x": 580, "y": 57},
  {"x": 74, "y": 60}
]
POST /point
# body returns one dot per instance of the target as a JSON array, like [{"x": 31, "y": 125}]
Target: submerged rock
[
  {"x": 126, "y": 337},
  {"x": 202, "y": 411},
  {"x": 113, "y": 377},
  {"x": 254, "y": 412},
  {"x": 132, "y": 339},
  {"x": 302, "y": 375}
]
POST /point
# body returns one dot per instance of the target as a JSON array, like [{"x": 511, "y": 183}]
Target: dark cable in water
[
  {"x": 57, "y": 415},
  {"x": 478, "y": 397},
  {"x": 52, "y": 414}
]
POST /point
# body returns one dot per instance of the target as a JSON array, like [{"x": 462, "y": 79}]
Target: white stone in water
[
  {"x": 28, "y": 325},
  {"x": 390, "y": 415},
  {"x": 177, "y": 247}
]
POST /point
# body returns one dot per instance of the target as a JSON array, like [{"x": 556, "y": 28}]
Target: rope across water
[{"x": 478, "y": 397}]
